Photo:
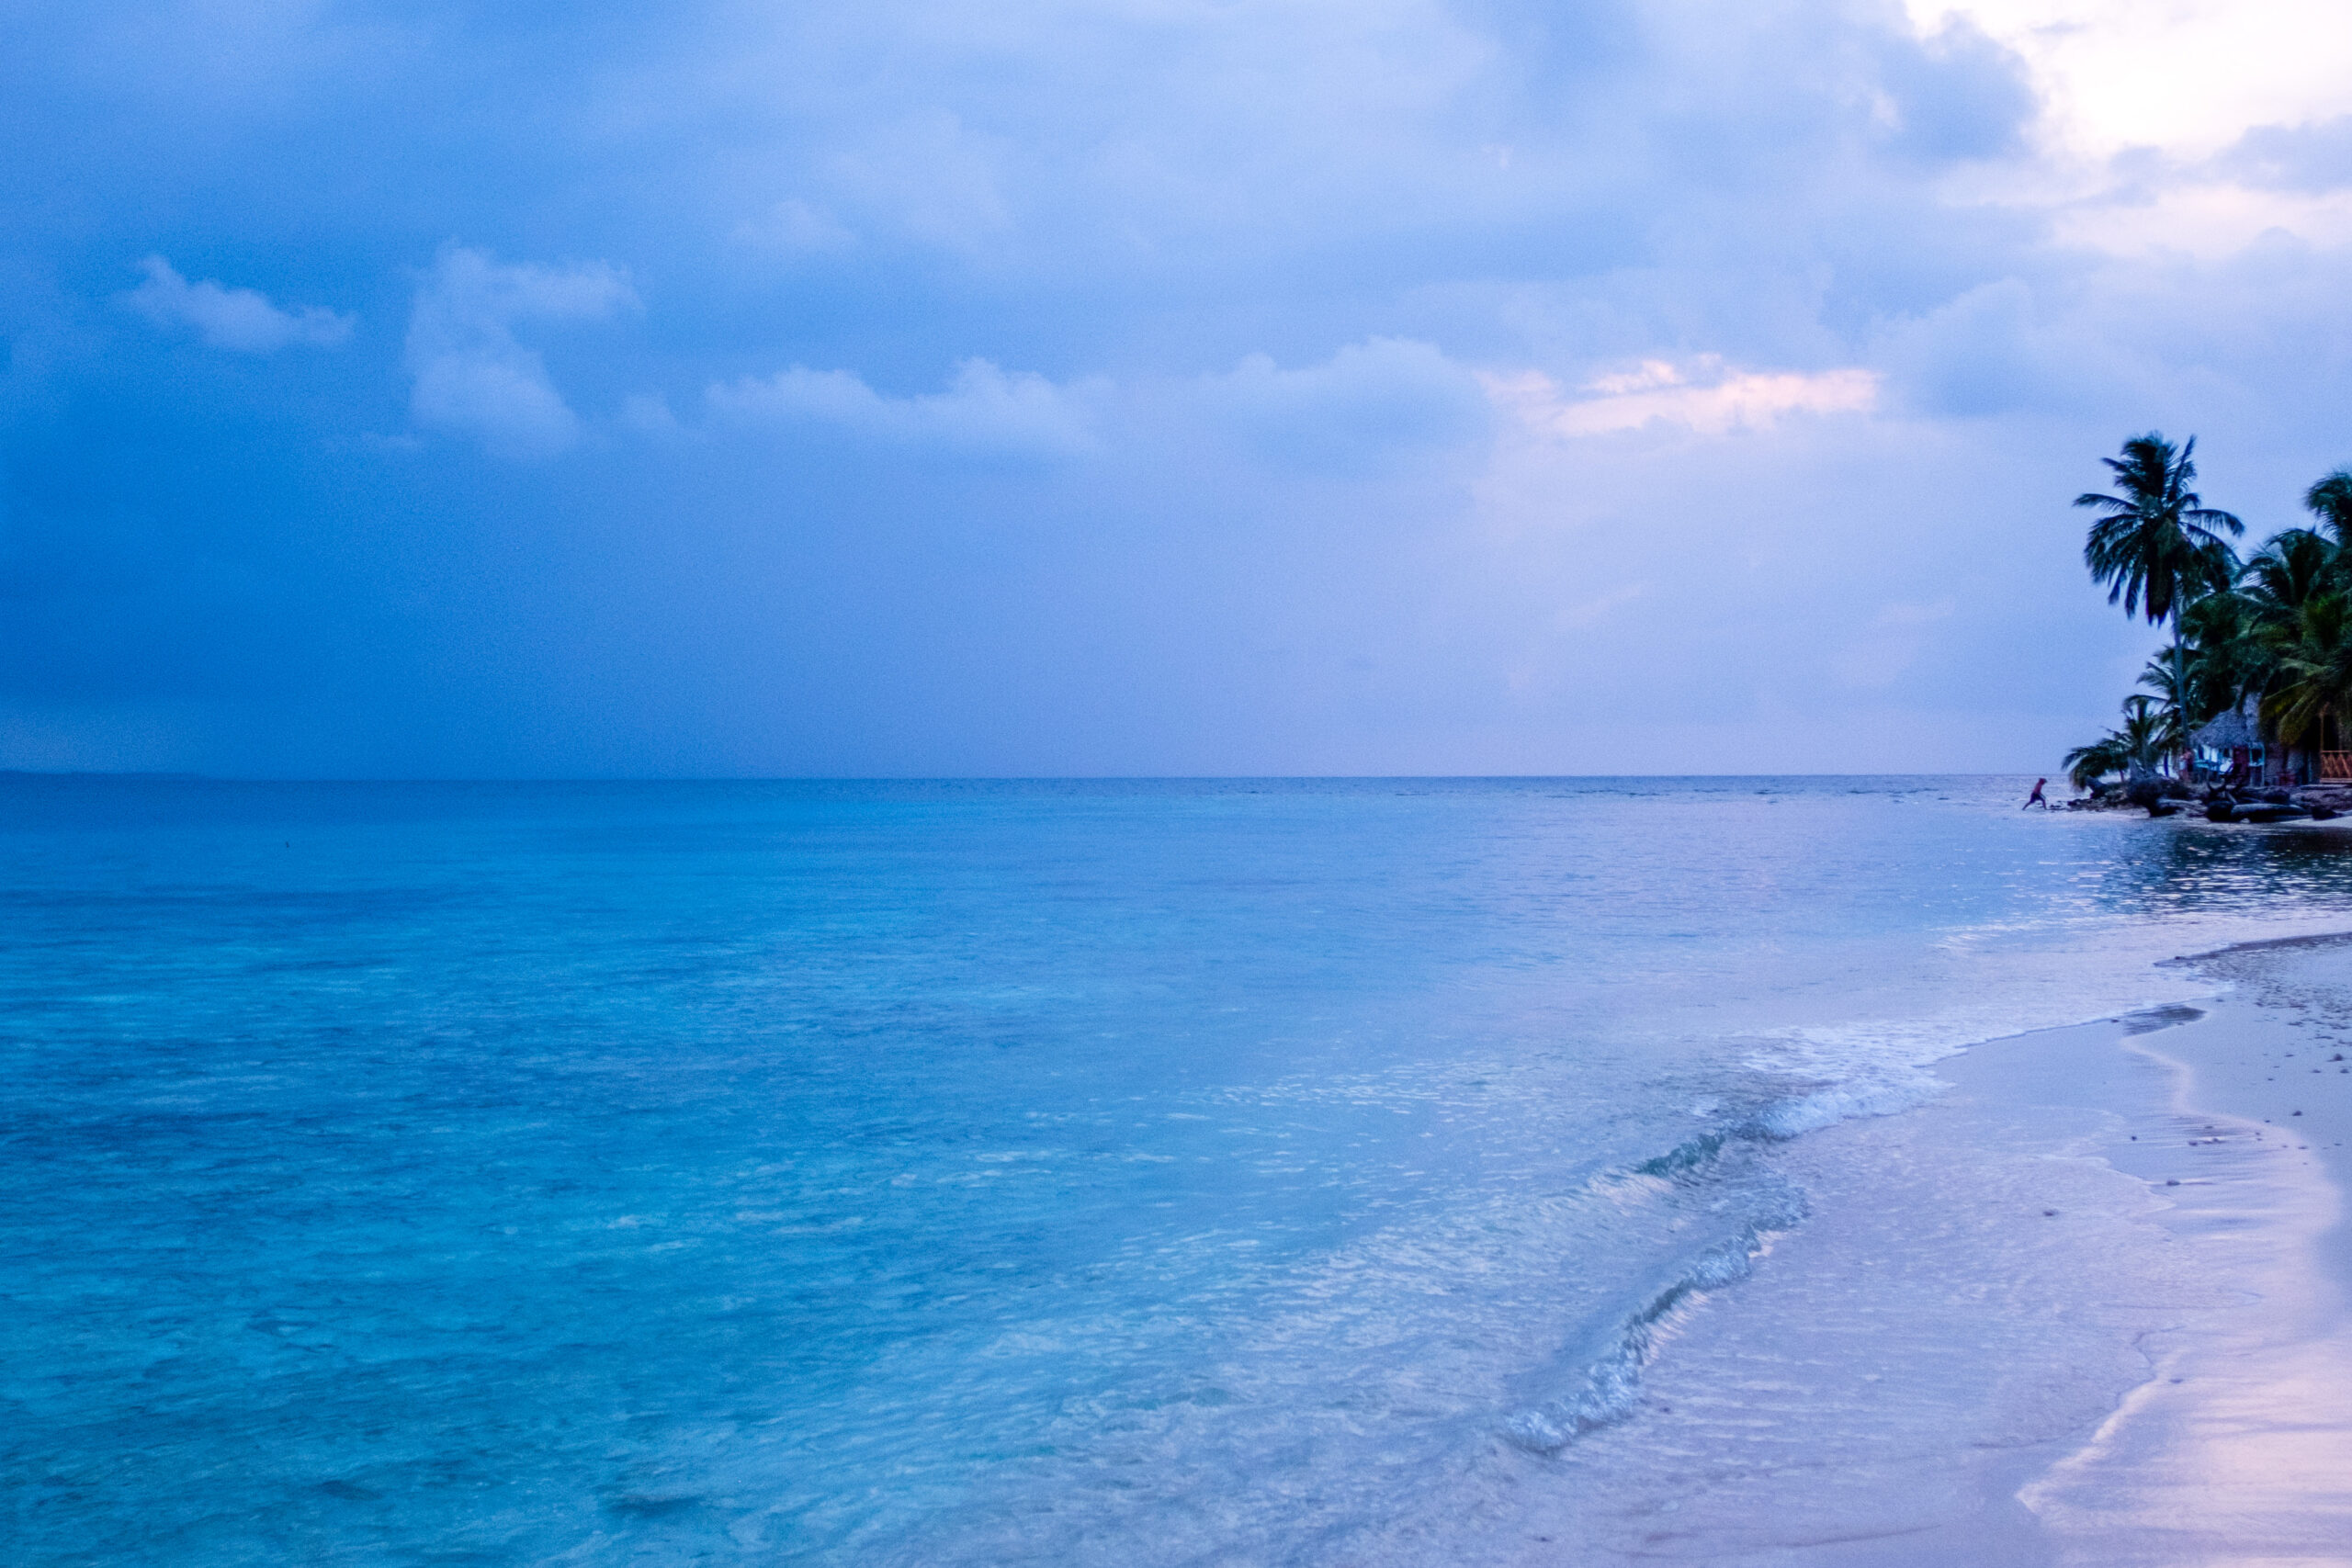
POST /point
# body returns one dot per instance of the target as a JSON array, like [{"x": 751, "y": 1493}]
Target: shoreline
[
  {"x": 2090, "y": 1304},
  {"x": 2274, "y": 1053},
  {"x": 2219, "y": 956},
  {"x": 2239, "y": 1447}
]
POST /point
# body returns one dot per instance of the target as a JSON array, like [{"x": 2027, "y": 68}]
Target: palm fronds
[
  {"x": 2330, "y": 500},
  {"x": 2315, "y": 673},
  {"x": 2157, "y": 545},
  {"x": 2148, "y": 734}
]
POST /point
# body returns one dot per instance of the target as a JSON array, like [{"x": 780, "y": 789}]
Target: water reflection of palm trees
[{"x": 2192, "y": 869}]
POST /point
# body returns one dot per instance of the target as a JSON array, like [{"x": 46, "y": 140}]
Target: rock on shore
[{"x": 2322, "y": 801}]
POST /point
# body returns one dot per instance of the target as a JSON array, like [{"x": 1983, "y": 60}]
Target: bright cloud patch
[
  {"x": 473, "y": 375},
  {"x": 984, "y": 409},
  {"x": 1708, "y": 396},
  {"x": 239, "y": 319},
  {"x": 2195, "y": 125},
  {"x": 2185, "y": 75}
]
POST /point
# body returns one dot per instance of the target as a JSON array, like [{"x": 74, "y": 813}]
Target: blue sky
[{"x": 1156, "y": 387}]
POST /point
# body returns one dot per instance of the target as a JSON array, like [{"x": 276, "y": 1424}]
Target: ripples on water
[{"x": 951, "y": 1173}]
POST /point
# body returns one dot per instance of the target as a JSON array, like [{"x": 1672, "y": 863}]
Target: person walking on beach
[{"x": 2037, "y": 797}]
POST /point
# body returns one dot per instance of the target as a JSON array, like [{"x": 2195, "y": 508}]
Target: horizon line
[{"x": 162, "y": 776}]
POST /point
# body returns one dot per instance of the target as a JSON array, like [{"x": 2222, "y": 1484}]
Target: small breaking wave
[
  {"x": 1792, "y": 1116},
  {"x": 1847, "y": 1101},
  {"x": 1611, "y": 1388}
]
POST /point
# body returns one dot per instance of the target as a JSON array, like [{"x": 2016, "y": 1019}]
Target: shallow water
[{"x": 962, "y": 1173}]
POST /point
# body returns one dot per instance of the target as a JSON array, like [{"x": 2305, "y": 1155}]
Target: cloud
[
  {"x": 472, "y": 376},
  {"x": 984, "y": 410},
  {"x": 647, "y": 413},
  {"x": 1707, "y": 397},
  {"x": 2314, "y": 158},
  {"x": 929, "y": 176},
  {"x": 1990, "y": 351},
  {"x": 1374, "y": 403},
  {"x": 1222, "y": 279},
  {"x": 239, "y": 319},
  {"x": 1385, "y": 398},
  {"x": 1962, "y": 96},
  {"x": 2186, "y": 75}
]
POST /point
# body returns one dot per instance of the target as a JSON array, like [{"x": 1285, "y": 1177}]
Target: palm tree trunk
[{"x": 2180, "y": 695}]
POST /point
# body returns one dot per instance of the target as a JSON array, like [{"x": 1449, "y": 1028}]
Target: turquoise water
[{"x": 909, "y": 1173}]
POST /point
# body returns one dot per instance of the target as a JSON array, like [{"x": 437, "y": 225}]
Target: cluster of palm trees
[{"x": 2276, "y": 626}]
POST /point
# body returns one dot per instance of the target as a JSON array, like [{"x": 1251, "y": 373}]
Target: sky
[{"x": 1132, "y": 387}]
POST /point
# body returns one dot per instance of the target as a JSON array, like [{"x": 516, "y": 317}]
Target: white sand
[
  {"x": 2088, "y": 1307},
  {"x": 2240, "y": 1449}
]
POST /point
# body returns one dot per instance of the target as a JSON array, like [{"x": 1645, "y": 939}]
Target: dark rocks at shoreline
[{"x": 2164, "y": 797}]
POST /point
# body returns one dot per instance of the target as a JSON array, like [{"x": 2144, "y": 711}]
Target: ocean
[{"x": 1144, "y": 1173}]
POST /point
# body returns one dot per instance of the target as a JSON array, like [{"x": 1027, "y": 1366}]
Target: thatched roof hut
[{"x": 2240, "y": 726}]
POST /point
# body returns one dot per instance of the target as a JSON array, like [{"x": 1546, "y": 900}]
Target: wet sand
[
  {"x": 2087, "y": 1306},
  {"x": 2240, "y": 1449}
]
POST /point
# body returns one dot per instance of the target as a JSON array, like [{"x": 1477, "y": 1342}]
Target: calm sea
[{"x": 957, "y": 1173}]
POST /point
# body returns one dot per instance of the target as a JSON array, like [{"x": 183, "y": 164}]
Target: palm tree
[
  {"x": 2331, "y": 501},
  {"x": 2163, "y": 679},
  {"x": 2086, "y": 765},
  {"x": 2314, "y": 677},
  {"x": 2292, "y": 566},
  {"x": 2157, "y": 545},
  {"x": 2234, "y": 638},
  {"x": 2228, "y": 656},
  {"x": 2148, "y": 734},
  {"x": 2151, "y": 730}
]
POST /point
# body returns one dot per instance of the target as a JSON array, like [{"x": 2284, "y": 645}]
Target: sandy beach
[
  {"x": 2240, "y": 1449},
  {"x": 2236, "y": 1117},
  {"x": 2086, "y": 1307}
]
